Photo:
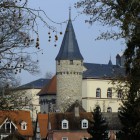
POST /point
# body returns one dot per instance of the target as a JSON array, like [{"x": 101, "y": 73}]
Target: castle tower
[{"x": 69, "y": 70}]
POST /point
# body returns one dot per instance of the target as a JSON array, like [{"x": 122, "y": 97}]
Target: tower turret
[{"x": 69, "y": 70}]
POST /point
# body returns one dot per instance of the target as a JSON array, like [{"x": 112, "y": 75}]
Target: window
[
  {"x": 58, "y": 62},
  {"x": 84, "y": 124},
  {"x": 109, "y": 93},
  {"x": 8, "y": 126},
  {"x": 64, "y": 124},
  {"x": 23, "y": 126},
  {"x": 109, "y": 109},
  {"x": 64, "y": 138},
  {"x": 71, "y": 62},
  {"x": 120, "y": 94},
  {"x": 98, "y": 93}
]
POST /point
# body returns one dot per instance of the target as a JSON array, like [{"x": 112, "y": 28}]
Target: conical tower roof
[{"x": 69, "y": 48}]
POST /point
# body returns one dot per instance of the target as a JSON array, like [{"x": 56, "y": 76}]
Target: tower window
[
  {"x": 109, "y": 93},
  {"x": 98, "y": 93},
  {"x": 58, "y": 62},
  {"x": 71, "y": 62}
]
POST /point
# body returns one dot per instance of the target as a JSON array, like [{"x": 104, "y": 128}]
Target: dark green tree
[
  {"x": 124, "y": 14},
  {"x": 98, "y": 126}
]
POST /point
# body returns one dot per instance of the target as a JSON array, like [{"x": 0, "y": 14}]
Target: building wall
[
  {"x": 89, "y": 99},
  {"x": 32, "y": 103},
  {"x": 69, "y": 83},
  {"x": 47, "y": 103},
  {"x": 71, "y": 135}
]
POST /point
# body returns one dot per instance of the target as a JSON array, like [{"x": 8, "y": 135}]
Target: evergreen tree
[
  {"x": 98, "y": 127},
  {"x": 124, "y": 14}
]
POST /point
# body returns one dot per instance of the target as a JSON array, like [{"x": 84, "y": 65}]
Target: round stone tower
[{"x": 69, "y": 70}]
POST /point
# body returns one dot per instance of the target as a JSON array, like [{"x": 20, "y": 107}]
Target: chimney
[{"x": 76, "y": 109}]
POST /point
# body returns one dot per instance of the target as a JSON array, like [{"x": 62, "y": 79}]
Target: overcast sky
[{"x": 92, "y": 51}]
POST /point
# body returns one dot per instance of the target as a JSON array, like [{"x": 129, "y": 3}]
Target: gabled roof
[
  {"x": 43, "y": 124},
  {"x": 37, "y": 84},
  {"x": 49, "y": 88},
  {"x": 75, "y": 104},
  {"x": 104, "y": 71},
  {"x": 69, "y": 48},
  {"x": 17, "y": 117}
]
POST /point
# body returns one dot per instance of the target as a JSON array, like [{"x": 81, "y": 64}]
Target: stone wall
[{"x": 69, "y": 82}]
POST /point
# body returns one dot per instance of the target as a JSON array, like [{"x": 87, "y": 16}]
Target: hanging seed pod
[{"x": 37, "y": 39}]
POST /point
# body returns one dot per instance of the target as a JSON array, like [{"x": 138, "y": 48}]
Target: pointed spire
[
  {"x": 69, "y": 13},
  {"x": 110, "y": 62},
  {"x": 69, "y": 48}
]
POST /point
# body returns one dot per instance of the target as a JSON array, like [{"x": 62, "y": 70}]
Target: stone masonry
[{"x": 69, "y": 82}]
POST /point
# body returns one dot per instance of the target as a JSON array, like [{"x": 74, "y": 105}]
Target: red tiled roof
[
  {"x": 17, "y": 117},
  {"x": 50, "y": 88},
  {"x": 43, "y": 125}
]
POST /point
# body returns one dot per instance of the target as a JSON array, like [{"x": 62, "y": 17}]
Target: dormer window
[
  {"x": 84, "y": 124},
  {"x": 71, "y": 62},
  {"x": 23, "y": 126},
  {"x": 64, "y": 124}
]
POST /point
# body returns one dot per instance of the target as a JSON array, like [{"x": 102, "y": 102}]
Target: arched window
[
  {"x": 84, "y": 124},
  {"x": 109, "y": 109},
  {"x": 71, "y": 62},
  {"x": 98, "y": 93},
  {"x": 119, "y": 93},
  {"x": 23, "y": 125},
  {"x": 65, "y": 124},
  {"x": 109, "y": 93}
]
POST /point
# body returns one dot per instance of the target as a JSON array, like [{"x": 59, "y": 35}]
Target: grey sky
[{"x": 92, "y": 51}]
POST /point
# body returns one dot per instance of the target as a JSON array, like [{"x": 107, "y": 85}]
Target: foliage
[
  {"x": 120, "y": 13},
  {"x": 98, "y": 126},
  {"x": 124, "y": 14},
  {"x": 19, "y": 45}
]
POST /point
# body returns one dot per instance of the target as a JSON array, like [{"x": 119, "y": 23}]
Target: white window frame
[
  {"x": 66, "y": 123},
  {"x": 23, "y": 125},
  {"x": 64, "y": 138},
  {"x": 84, "y": 121}
]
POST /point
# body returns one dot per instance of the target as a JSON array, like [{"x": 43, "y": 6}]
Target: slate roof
[
  {"x": 49, "y": 88},
  {"x": 17, "y": 117},
  {"x": 37, "y": 84},
  {"x": 69, "y": 48},
  {"x": 105, "y": 71},
  {"x": 112, "y": 120}
]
